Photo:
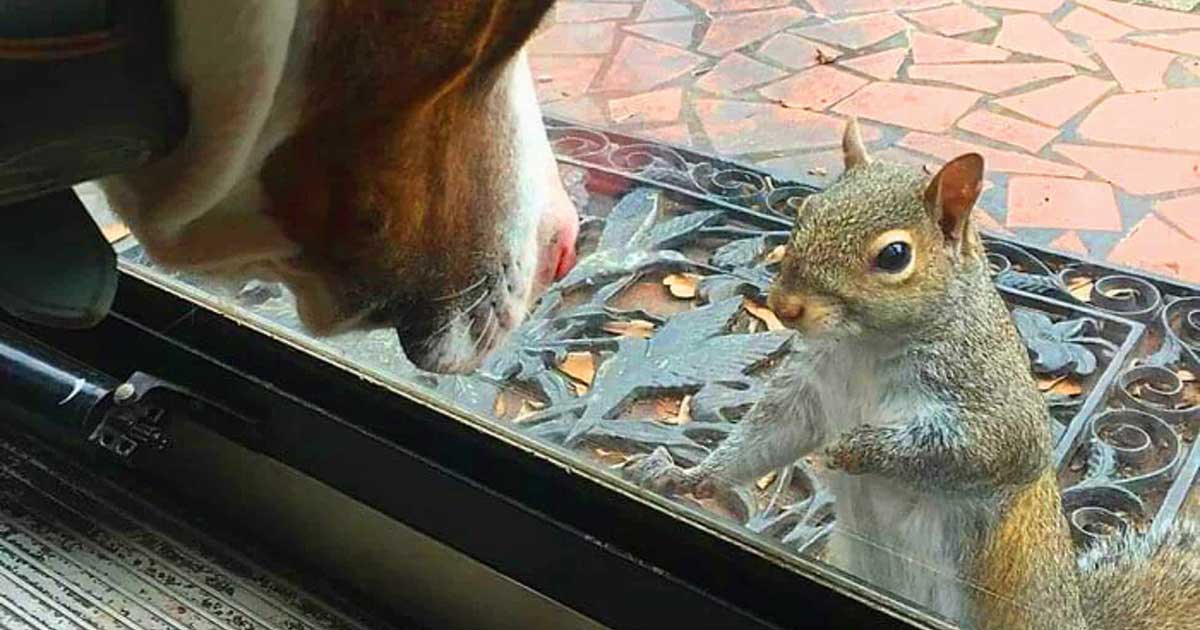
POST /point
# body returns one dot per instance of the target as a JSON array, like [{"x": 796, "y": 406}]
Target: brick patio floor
[{"x": 1088, "y": 111}]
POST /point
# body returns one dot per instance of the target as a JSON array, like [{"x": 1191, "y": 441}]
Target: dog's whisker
[
  {"x": 484, "y": 332},
  {"x": 470, "y": 308},
  {"x": 453, "y": 317},
  {"x": 457, "y": 294}
]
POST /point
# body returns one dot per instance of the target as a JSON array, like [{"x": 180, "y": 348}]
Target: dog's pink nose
[
  {"x": 564, "y": 246},
  {"x": 558, "y": 230}
]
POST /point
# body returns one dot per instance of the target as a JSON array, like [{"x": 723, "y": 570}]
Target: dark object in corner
[{"x": 87, "y": 94}]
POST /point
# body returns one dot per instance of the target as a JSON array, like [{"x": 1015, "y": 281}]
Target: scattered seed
[
  {"x": 633, "y": 328},
  {"x": 580, "y": 366},
  {"x": 528, "y": 408},
  {"x": 682, "y": 285},
  {"x": 763, "y": 314},
  {"x": 766, "y": 480}
]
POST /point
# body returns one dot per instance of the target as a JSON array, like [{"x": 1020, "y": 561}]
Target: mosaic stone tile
[
  {"x": 731, "y": 31},
  {"x": 918, "y": 107},
  {"x": 1033, "y": 35},
  {"x": 735, "y": 72},
  {"x": 1165, "y": 120},
  {"x": 994, "y": 78},
  {"x": 881, "y": 65},
  {"x": 1055, "y": 202},
  {"x": 1138, "y": 171}
]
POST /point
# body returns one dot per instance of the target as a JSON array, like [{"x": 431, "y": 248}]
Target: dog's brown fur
[
  {"x": 345, "y": 187},
  {"x": 400, "y": 166}
]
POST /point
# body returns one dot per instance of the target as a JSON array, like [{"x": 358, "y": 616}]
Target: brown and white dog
[{"x": 385, "y": 159}]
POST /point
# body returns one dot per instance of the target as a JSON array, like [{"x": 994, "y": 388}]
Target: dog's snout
[
  {"x": 424, "y": 353},
  {"x": 558, "y": 233},
  {"x": 564, "y": 248},
  {"x": 415, "y": 332}
]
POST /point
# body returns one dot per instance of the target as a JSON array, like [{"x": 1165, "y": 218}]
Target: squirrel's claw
[
  {"x": 846, "y": 454},
  {"x": 658, "y": 472}
]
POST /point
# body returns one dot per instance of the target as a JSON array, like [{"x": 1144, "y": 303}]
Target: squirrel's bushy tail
[{"x": 1144, "y": 582}]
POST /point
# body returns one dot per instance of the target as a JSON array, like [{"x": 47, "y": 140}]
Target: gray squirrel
[{"x": 911, "y": 380}]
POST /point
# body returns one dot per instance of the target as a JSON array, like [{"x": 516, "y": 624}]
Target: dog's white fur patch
[{"x": 241, "y": 64}]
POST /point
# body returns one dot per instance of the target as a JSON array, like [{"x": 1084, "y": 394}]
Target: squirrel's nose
[{"x": 786, "y": 307}]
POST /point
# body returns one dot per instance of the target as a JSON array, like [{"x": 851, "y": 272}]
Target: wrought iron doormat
[{"x": 655, "y": 339}]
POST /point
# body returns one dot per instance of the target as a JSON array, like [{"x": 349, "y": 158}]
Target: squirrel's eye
[{"x": 894, "y": 258}]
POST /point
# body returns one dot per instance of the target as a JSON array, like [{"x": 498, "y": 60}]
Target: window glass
[{"x": 688, "y": 135}]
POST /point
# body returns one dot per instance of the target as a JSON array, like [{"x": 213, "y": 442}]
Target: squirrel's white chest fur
[{"x": 905, "y": 540}]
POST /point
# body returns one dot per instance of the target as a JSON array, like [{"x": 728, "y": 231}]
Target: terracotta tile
[
  {"x": 1092, "y": 25},
  {"x": 951, "y": 20},
  {"x": 1036, "y": 6},
  {"x": 1187, "y": 43},
  {"x": 794, "y": 52},
  {"x": 856, "y": 33},
  {"x": 1137, "y": 171},
  {"x": 1053, "y": 202},
  {"x": 1160, "y": 120},
  {"x": 1183, "y": 213},
  {"x": 1143, "y": 18},
  {"x": 574, "y": 39},
  {"x": 736, "y": 127},
  {"x": 649, "y": 107},
  {"x": 736, "y": 72},
  {"x": 641, "y": 64},
  {"x": 816, "y": 88},
  {"x": 1033, "y": 35},
  {"x": 720, "y": 6},
  {"x": 848, "y": 7},
  {"x": 662, "y": 10},
  {"x": 917, "y": 107},
  {"x": 1026, "y": 135},
  {"x": 936, "y": 49},
  {"x": 881, "y": 65},
  {"x": 994, "y": 78},
  {"x": 1070, "y": 242},
  {"x": 583, "y": 109},
  {"x": 1137, "y": 69},
  {"x": 557, "y": 78},
  {"x": 590, "y": 12},
  {"x": 674, "y": 33},
  {"x": 1155, "y": 246},
  {"x": 728, "y": 32},
  {"x": 1056, "y": 104},
  {"x": 996, "y": 160},
  {"x": 672, "y": 134}
]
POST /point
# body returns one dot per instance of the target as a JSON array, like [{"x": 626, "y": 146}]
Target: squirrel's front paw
[
  {"x": 658, "y": 472},
  {"x": 849, "y": 454}
]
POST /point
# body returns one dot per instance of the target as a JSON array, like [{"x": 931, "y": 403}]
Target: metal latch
[{"x": 142, "y": 410}]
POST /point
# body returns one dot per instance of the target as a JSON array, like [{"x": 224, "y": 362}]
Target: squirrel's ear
[
  {"x": 854, "y": 152},
  {"x": 953, "y": 192}
]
